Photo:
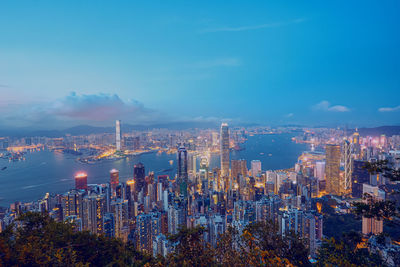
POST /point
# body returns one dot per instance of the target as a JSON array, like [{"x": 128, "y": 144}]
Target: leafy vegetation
[
  {"x": 41, "y": 241},
  {"x": 347, "y": 251}
]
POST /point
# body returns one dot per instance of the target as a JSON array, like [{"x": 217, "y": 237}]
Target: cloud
[
  {"x": 220, "y": 62},
  {"x": 326, "y": 106},
  {"x": 253, "y": 27},
  {"x": 97, "y": 109},
  {"x": 289, "y": 115},
  {"x": 389, "y": 109}
]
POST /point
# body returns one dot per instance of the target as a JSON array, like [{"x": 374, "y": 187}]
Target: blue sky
[{"x": 269, "y": 62}]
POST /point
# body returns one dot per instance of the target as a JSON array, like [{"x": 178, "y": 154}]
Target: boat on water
[
  {"x": 4, "y": 168},
  {"x": 171, "y": 162}
]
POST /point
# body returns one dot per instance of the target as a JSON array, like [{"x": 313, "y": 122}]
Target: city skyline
[{"x": 267, "y": 63}]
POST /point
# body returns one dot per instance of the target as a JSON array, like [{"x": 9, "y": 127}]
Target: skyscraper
[
  {"x": 224, "y": 140},
  {"x": 139, "y": 177},
  {"x": 118, "y": 135},
  {"x": 255, "y": 168},
  {"x": 182, "y": 170},
  {"x": 347, "y": 166},
  {"x": 114, "y": 181},
  {"x": 81, "y": 180},
  {"x": 333, "y": 169},
  {"x": 238, "y": 167}
]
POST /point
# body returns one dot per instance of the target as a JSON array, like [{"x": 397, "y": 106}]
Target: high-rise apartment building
[
  {"x": 333, "y": 169},
  {"x": 224, "y": 142}
]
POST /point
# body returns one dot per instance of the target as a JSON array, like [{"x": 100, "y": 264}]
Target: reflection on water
[{"x": 47, "y": 171}]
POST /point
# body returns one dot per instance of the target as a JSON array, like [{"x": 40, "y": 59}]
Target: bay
[{"x": 48, "y": 171}]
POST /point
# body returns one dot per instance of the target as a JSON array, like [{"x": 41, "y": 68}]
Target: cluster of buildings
[{"x": 146, "y": 209}]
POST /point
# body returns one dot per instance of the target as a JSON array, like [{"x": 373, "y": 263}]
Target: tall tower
[
  {"x": 118, "y": 135},
  {"x": 139, "y": 176},
  {"x": 333, "y": 169},
  {"x": 81, "y": 180},
  {"x": 224, "y": 142},
  {"x": 348, "y": 166},
  {"x": 182, "y": 170},
  {"x": 114, "y": 181}
]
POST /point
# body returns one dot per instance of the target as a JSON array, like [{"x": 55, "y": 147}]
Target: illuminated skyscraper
[
  {"x": 348, "y": 165},
  {"x": 81, "y": 180},
  {"x": 238, "y": 167},
  {"x": 118, "y": 135},
  {"x": 114, "y": 181},
  {"x": 333, "y": 169},
  {"x": 182, "y": 170},
  {"x": 224, "y": 142},
  {"x": 139, "y": 177},
  {"x": 255, "y": 168}
]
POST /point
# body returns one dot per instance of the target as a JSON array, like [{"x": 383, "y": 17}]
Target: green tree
[{"x": 190, "y": 249}]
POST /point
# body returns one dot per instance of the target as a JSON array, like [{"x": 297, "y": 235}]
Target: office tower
[
  {"x": 118, "y": 135},
  {"x": 139, "y": 177},
  {"x": 319, "y": 170},
  {"x": 224, "y": 142},
  {"x": 356, "y": 143},
  {"x": 182, "y": 170},
  {"x": 348, "y": 165},
  {"x": 255, "y": 168},
  {"x": 238, "y": 167},
  {"x": 114, "y": 181},
  {"x": 333, "y": 169},
  {"x": 192, "y": 162},
  {"x": 359, "y": 176},
  {"x": 81, "y": 180}
]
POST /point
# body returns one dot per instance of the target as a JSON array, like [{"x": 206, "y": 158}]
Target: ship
[{"x": 4, "y": 168}]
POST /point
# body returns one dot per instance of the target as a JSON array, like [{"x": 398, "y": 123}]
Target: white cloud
[
  {"x": 389, "y": 109},
  {"x": 326, "y": 106},
  {"x": 77, "y": 109},
  {"x": 253, "y": 27}
]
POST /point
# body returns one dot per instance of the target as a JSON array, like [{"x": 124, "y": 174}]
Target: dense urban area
[{"x": 317, "y": 201}]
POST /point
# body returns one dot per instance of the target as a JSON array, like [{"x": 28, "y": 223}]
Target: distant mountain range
[
  {"x": 88, "y": 129},
  {"x": 386, "y": 130}
]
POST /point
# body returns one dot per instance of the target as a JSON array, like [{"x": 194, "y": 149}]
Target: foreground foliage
[
  {"x": 347, "y": 251},
  {"x": 38, "y": 240},
  {"x": 41, "y": 241}
]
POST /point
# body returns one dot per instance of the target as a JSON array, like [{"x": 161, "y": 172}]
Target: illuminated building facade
[
  {"x": 81, "y": 181},
  {"x": 139, "y": 177},
  {"x": 182, "y": 170},
  {"x": 114, "y": 181},
  {"x": 118, "y": 135},
  {"x": 348, "y": 166},
  {"x": 224, "y": 142},
  {"x": 333, "y": 169}
]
